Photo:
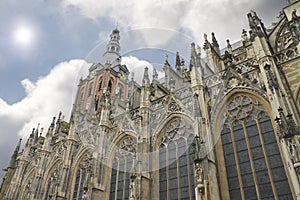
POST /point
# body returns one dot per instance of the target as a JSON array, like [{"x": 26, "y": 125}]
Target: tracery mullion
[
  {"x": 251, "y": 161},
  {"x": 47, "y": 189},
  {"x": 124, "y": 177},
  {"x": 266, "y": 159},
  {"x": 83, "y": 177},
  {"x": 190, "y": 164},
  {"x": 128, "y": 168},
  {"x": 167, "y": 173},
  {"x": 117, "y": 179},
  {"x": 177, "y": 166},
  {"x": 121, "y": 178},
  {"x": 163, "y": 173},
  {"x": 237, "y": 163},
  {"x": 171, "y": 168},
  {"x": 113, "y": 179},
  {"x": 79, "y": 183}
]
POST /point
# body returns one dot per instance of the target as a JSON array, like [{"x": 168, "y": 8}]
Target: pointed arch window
[
  {"x": 100, "y": 85},
  {"x": 109, "y": 86},
  {"x": 176, "y": 162},
  {"x": 90, "y": 89},
  {"x": 52, "y": 184},
  {"x": 82, "y": 177},
  {"x": 119, "y": 91},
  {"x": 121, "y": 167},
  {"x": 253, "y": 162}
]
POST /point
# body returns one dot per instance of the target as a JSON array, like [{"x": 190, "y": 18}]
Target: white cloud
[
  {"x": 138, "y": 66},
  {"x": 53, "y": 93},
  {"x": 45, "y": 98},
  {"x": 224, "y": 17},
  {"x": 28, "y": 85}
]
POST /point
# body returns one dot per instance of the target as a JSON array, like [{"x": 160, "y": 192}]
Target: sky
[{"x": 47, "y": 45}]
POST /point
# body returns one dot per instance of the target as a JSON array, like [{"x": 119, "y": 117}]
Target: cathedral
[{"x": 225, "y": 126}]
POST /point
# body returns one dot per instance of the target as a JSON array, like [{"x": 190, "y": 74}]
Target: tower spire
[{"x": 112, "y": 55}]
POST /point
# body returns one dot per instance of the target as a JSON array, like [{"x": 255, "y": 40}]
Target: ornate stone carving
[
  {"x": 127, "y": 146},
  {"x": 199, "y": 177},
  {"x": 241, "y": 107},
  {"x": 294, "y": 151},
  {"x": 174, "y": 107},
  {"x": 54, "y": 181},
  {"x": 176, "y": 129},
  {"x": 294, "y": 26}
]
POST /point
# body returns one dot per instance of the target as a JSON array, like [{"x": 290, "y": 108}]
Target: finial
[
  {"x": 19, "y": 145},
  {"x": 59, "y": 115},
  {"x": 36, "y": 134},
  {"x": 32, "y": 133},
  {"x": 205, "y": 37},
  {"x": 53, "y": 122},
  {"x": 253, "y": 12},
  {"x": 206, "y": 43},
  {"x": 193, "y": 50},
  {"x": 177, "y": 60},
  {"x": 146, "y": 80},
  {"x": 244, "y": 35},
  {"x": 229, "y": 47},
  {"x": 155, "y": 74},
  {"x": 198, "y": 50},
  {"x": 182, "y": 63},
  {"x": 166, "y": 59},
  {"x": 214, "y": 40}
]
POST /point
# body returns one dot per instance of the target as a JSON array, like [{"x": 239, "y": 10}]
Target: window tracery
[
  {"x": 251, "y": 154},
  {"x": 83, "y": 173},
  {"x": 121, "y": 166},
  {"x": 28, "y": 191},
  {"x": 176, "y": 161},
  {"x": 177, "y": 128},
  {"x": 52, "y": 183}
]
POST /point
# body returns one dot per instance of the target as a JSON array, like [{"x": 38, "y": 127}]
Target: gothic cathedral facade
[{"x": 224, "y": 127}]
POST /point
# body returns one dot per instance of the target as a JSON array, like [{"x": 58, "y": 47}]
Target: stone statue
[
  {"x": 294, "y": 151},
  {"x": 244, "y": 35},
  {"x": 132, "y": 190},
  {"x": 199, "y": 174},
  {"x": 227, "y": 58}
]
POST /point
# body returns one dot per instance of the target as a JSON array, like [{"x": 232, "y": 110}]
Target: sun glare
[{"x": 23, "y": 35}]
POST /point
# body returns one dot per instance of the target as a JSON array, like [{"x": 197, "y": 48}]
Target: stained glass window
[
  {"x": 176, "y": 172},
  {"x": 252, "y": 158}
]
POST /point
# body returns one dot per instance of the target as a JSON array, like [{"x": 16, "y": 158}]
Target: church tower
[
  {"x": 112, "y": 55},
  {"x": 108, "y": 78}
]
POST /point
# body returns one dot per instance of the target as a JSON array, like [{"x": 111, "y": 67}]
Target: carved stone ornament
[
  {"x": 28, "y": 190},
  {"x": 199, "y": 175},
  {"x": 128, "y": 145},
  {"x": 174, "y": 107},
  {"x": 293, "y": 149},
  {"x": 177, "y": 128}
]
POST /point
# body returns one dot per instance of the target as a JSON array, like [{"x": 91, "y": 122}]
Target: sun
[{"x": 23, "y": 35}]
